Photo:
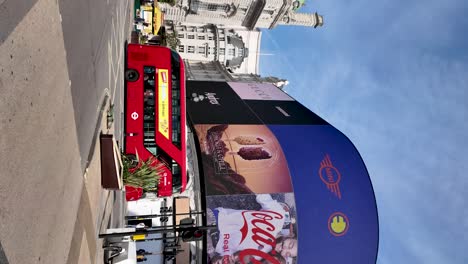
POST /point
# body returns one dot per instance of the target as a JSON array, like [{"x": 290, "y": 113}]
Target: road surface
[{"x": 58, "y": 60}]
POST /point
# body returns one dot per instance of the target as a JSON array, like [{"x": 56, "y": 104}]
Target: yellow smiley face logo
[{"x": 338, "y": 224}]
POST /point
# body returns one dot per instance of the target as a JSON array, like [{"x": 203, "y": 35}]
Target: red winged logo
[{"x": 330, "y": 176}]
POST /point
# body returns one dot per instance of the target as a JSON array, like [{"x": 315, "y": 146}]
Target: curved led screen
[{"x": 282, "y": 185}]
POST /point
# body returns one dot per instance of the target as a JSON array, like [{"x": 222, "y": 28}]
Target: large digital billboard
[{"x": 282, "y": 185}]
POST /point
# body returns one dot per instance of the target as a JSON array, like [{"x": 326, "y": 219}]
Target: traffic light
[{"x": 191, "y": 234}]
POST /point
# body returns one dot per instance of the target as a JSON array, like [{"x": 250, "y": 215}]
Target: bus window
[
  {"x": 176, "y": 132},
  {"x": 149, "y": 111},
  {"x": 176, "y": 176}
]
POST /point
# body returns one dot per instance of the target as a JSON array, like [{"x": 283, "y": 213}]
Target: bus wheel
[{"x": 131, "y": 75}]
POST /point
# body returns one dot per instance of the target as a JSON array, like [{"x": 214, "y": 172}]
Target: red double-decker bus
[{"x": 155, "y": 112}]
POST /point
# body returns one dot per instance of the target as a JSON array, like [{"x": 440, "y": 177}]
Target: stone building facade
[
  {"x": 220, "y": 39},
  {"x": 248, "y": 14}
]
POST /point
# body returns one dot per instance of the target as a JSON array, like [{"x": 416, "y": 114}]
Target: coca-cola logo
[
  {"x": 248, "y": 256},
  {"x": 262, "y": 232}
]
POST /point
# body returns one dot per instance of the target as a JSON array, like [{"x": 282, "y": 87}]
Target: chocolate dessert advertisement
[
  {"x": 242, "y": 159},
  {"x": 250, "y": 228}
]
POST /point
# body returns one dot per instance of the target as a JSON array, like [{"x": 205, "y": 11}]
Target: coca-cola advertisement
[
  {"x": 255, "y": 228},
  {"x": 242, "y": 159}
]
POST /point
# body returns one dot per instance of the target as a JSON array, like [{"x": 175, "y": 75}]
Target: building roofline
[{"x": 283, "y": 10}]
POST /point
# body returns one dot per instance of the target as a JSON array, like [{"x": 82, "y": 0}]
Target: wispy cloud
[{"x": 279, "y": 62}]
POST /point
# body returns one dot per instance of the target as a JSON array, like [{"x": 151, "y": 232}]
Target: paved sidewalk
[{"x": 99, "y": 208}]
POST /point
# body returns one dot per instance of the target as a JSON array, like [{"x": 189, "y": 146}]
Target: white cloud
[{"x": 411, "y": 131}]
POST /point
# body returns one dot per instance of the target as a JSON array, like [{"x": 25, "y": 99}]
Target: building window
[
  {"x": 201, "y": 37},
  {"x": 196, "y": 5},
  {"x": 231, "y": 52},
  {"x": 180, "y": 35},
  {"x": 191, "y": 49},
  {"x": 181, "y": 49},
  {"x": 222, "y": 51},
  {"x": 201, "y": 50},
  {"x": 222, "y": 39},
  {"x": 241, "y": 52},
  {"x": 210, "y": 37},
  {"x": 190, "y": 36}
]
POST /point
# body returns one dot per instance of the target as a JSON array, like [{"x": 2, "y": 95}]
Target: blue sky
[{"x": 392, "y": 76}]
